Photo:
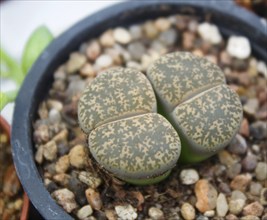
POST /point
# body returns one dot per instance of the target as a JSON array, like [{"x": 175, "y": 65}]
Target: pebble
[
  {"x": 126, "y": 212},
  {"x": 110, "y": 214},
  {"x": 188, "y": 40},
  {"x": 209, "y": 213},
  {"x": 168, "y": 37},
  {"x": 104, "y": 61},
  {"x": 251, "y": 107},
  {"x": 263, "y": 196},
  {"x": 240, "y": 182},
  {"x": 75, "y": 87},
  {"x": 236, "y": 194},
  {"x": 93, "y": 50},
  {"x": 121, "y": 35},
  {"x": 234, "y": 170},
  {"x": 225, "y": 58},
  {"x": 75, "y": 62},
  {"x": 39, "y": 155},
  {"x": 84, "y": 212},
  {"x": 231, "y": 217},
  {"x": 65, "y": 198},
  {"x": 155, "y": 213},
  {"x": 78, "y": 156},
  {"x": 226, "y": 158},
  {"x": 261, "y": 67},
  {"x": 189, "y": 176},
  {"x": 221, "y": 205},
  {"x": 50, "y": 150},
  {"x": 238, "y": 145},
  {"x": 250, "y": 217},
  {"x": 157, "y": 46},
  {"x": 136, "y": 32},
  {"x": 249, "y": 163},
  {"x": 54, "y": 104},
  {"x": 254, "y": 208},
  {"x": 93, "y": 198},
  {"x": 136, "y": 50},
  {"x": 11, "y": 184},
  {"x": 206, "y": 195},
  {"x": 162, "y": 24},
  {"x": 255, "y": 188},
  {"x": 54, "y": 116},
  {"x": 209, "y": 33},
  {"x": 62, "y": 165},
  {"x": 78, "y": 188},
  {"x": 258, "y": 130},
  {"x": 224, "y": 187},
  {"x": 89, "y": 179},
  {"x": 202, "y": 217},
  {"x": 150, "y": 30},
  {"x": 107, "y": 39},
  {"x": 239, "y": 47},
  {"x": 134, "y": 65},
  {"x": 188, "y": 212},
  {"x": 236, "y": 206},
  {"x": 88, "y": 71},
  {"x": 261, "y": 171},
  {"x": 62, "y": 179}
]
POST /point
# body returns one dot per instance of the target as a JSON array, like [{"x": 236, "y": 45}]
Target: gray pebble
[
  {"x": 236, "y": 206},
  {"x": 84, "y": 212},
  {"x": 249, "y": 163},
  {"x": 79, "y": 190},
  {"x": 202, "y": 217},
  {"x": 168, "y": 37},
  {"x": 251, "y": 106},
  {"x": 225, "y": 188},
  {"x": 155, "y": 213},
  {"x": 189, "y": 176},
  {"x": 157, "y": 46},
  {"x": 136, "y": 32},
  {"x": 136, "y": 49},
  {"x": 236, "y": 194},
  {"x": 234, "y": 170},
  {"x": 54, "y": 116},
  {"x": 263, "y": 196},
  {"x": 258, "y": 130},
  {"x": 238, "y": 145},
  {"x": 75, "y": 87},
  {"x": 255, "y": 188},
  {"x": 261, "y": 171}
]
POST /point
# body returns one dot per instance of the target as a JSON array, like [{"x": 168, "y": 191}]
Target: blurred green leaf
[
  {"x": 7, "y": 97},
  {"x": 37, "y": 42}
]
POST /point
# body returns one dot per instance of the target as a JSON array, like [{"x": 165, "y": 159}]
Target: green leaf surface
[
  {"x": 7, "y": 97},
  {"x": 37, "y": 42}
]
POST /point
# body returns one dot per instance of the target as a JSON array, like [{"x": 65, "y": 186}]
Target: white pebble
[
  {"x": 209, "y": 213},
  {"x": 121, "y": 35},
  {"x": 189, "y": 176},
  {"x": 104, "y": 61},
  {"x": 210, "y": 33},
  {"x": 155, "y": 213},
  {"x": 261, "y": 67},
  {"x": 126, "y": 212},
  {"x": 238, "y": 47},
  {"x": 66, "y": 199},
  {"x": 84, "y": 212},
  {"x": 221, "y": 205}
]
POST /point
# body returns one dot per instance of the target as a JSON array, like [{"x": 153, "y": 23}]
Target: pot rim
[{"x": 121, "y": 14}]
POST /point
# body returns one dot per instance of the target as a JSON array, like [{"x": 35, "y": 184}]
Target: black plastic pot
[{"x": 230, "y": 18}]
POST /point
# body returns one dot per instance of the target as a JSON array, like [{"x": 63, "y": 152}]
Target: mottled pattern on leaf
[
  {"x": 136, "y": 147},
  {"x": 114, "y": 94},
  {"x": 210, "y": 119},
  {"x": 178, "y": 76}
]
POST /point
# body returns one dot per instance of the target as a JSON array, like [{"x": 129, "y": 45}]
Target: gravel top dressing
[{"x": 230, "y": 185}]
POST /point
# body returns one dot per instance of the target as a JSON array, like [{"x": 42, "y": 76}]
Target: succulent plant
[
  {"x": 195, "y": 99},
  {"x": 125, "y": 134}
]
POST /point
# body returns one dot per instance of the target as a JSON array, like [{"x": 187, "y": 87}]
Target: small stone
[
  {"x": 225, "y": 58},
  {"x": 249, "y": 163},
  {"x": 62, "y": 165},
  {"x": 234, "y": 170},
  {"x": 75, "y": 62},
  {"x": 168, "y": 37},
  {"x": 238, "y": 47},
  {"x": 136, "y": 50},
  {"x": 261, "y": 67},
  {"x": 84, "y": 212},
  {"x": 238, "y": 145},
  {"x": 75, "y": 87},
  {"x": 54, "y": 104},
  {"x": 121, "y": 35},
  {"x": 87, "y": 71},
  {"x": 236, "y": 206},
  {"x": 224, "y": 187},
  {"x": 206, "y": 195},
  {"x": 107, "y": 39},
  {"x": 254, "y": 208},
  {"x": 226, "y": 158},
  {"x": 54, "y": 116},
  {"x": 255, "y": 188},
  {"x": 189, "y": 176},
  {"x": 62, "y": 179},
  {"x": 162, "y": 24},
  {"x": 231, "y": 217},
  {"x": 78, "y": 156},
  {"x": 89, "y": 179},
  {"x": 250, "y": 217},
  {"x": 240, "y": 182},
  {"x": 50, "y": 150},
  {"x": 150, "y": 30},
  {"x": 78, "y": 188},
  {"x": 209, "y": 213},
  {"x": 258, "y": 130},
  {"x": 126, "y": 212},
  {"x": 263, "y": 196},
  {"x": 251, "y": 107},
  {"x": 110, "y": 214},
  {"x": 188, "y": 212},
  {"x": 93, "y": 198},
  {"x": 209, "y": 33},
  {"x": 188, "y": 40},
  {"x": 93, "y": 50},
  {"x": 39, "y": 155},
  {"x": 236, "y": 194},
  {"x": 155, "y": 213},
  {"x": 65, "y": 198},
  {"x": 202, "y": 217},
  {"x": 104, "y": 61},
  {"x": 244, "y": 128},
  {"x": 221, "y": 205},
  {"x": 133, "y": 64},
  {"x": 136, "y": 32},
  {"x": 261, "y": 171}
]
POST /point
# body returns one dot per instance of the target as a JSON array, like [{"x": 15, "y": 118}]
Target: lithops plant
[
  {"x": 125, "y": 134},
  {"x": 194, "y": 97}
]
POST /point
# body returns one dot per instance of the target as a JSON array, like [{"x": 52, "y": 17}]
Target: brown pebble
[
  {"x": 206, "y": 195},
  {"x": 107, "y": 39},
  {"x": 93, "y": 198},
  {"x": 62, "y": 165},
  {"x": 11, "y": 185},
  {"x": 188, "y": 40},
  {"x": 88, "y": 71},
  {"x": 93, "y": 50},
  {"x": 244, "y": 128},
  {"x": 50, "y": 150},
  {"x": 231, "y": 217},
  {"x": 240, "y": 182},
  {"x": 111, "y": 214},
  {"x": 254, "y": 208},
  {"x": 62, "y": 179},
  {"x": 78, "y": 156}
]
